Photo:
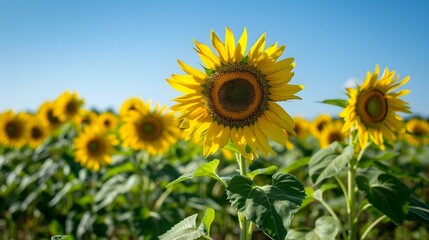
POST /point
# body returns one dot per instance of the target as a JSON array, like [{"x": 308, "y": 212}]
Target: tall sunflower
[
  {"x": 149, "y": 129},
  {"x": 37, "y": 131},
  {"x": 129, "y": 105},
  {"x": 13, "y": 129},
  {"x": 94, "y": 147},
  {"x": 332, "y": 132},
  {"x": 108, "y": 120},
  {"x": 67, "y": 106},
  {"x": 235, "y": 97},
  {"x": 46, "y": 115},
  {"x": 417, "y": 132},
  {"x": 372, "y": 108},
  {"x": 319, "y": 123}
]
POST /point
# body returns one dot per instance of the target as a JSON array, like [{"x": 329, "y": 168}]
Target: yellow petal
[
  {"x": 200, "y": 76},
  {"x": 219, "y": 46},
  {"x": 230, "y": 45},
  {"x": 241, "y": 46}
]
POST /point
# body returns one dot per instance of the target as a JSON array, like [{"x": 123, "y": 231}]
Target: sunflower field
[{"x": 226, "y": 161}]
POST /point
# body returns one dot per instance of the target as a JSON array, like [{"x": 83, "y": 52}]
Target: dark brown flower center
[
  {"x": 14, "y": 129},
  {"x": 150, "y": 128},
  {"x": 372, "y": 106},
  {"x": 95, "y": 147}
]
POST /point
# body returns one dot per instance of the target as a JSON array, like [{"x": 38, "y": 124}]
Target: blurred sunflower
[
  {"x": 150, "y": 130},
  {"x": 108, "y": 120},
  {"x": 372, "y": 108},
  {"x": 13, "y": 129},
  {"x": 235, "y": 97},
  {"x": 129, "y": 105},
  {"x": 332, "y": 132},
  {"x": 67, "y": 106},
  {"x": 319, "y": 123},
  {"x": 417, "y": 132},
  {"x": 85, "y": 118},
  {"x": 37, "y": 131},
  {"x": 94, "y": 147},
  {"x": 46, "y": 115},
  {"x": 302, "y": 127}
]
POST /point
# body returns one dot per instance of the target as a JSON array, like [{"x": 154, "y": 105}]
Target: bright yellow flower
[
  {"x": 332, "y": 132},
  {"x": 302, "y": 127},
  {"x": 46, "y": 115},
  {"x": 129, "y": 105},
  {"x": 94, "y": 147},
  {"x": 108, "y": 120},
  {"x": 13, "y": 129},
  {"x": 150, "y": 130},
  {"x": 372, "y": 108},
  {"x": 85, "y": 118},
  {"x": 319, "y": 123},
  {"x": 37, "y": 131},
  {"x": 417, "y": 132},
  {"x": 67, "y": 106},
  {"x": 235, "y": 97}
]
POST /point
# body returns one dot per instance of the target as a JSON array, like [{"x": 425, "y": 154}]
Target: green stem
[
  {"x": 245, "y": 225},
  {"x": 334, "y": 215},
  {"x": 372, "y": 226},
  {"x": 351, "y": 172}
]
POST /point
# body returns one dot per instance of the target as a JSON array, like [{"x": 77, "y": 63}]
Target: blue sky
[{"x": 109, "y": 51}]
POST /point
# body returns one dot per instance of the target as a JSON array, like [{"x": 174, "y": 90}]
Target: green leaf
[
  {"x": 205, "y": 170},
  {"x": 336, "y": 102},
  {"x": 123, "y": 168},
  {"x": 208, "y": 219},
  {"x": 62, "y": 237},
  {"x": 388, "y": 194},
  {"x": 296, "y": 164},
  {"x": 418, "y": 211},
  {"x": 329, "y": 161},
  {"x": 326, "y": 228},
  {"x": 184, "y": 230},
  {"x": 267, "y": 171},
  {"x": 270, "y": 207}
]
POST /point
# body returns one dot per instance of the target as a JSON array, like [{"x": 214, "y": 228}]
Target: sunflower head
[
  {"x": 94, "y": 147},
  {"x": 150, "y": 129},
  {"x": 67, "y": 106},
  {"x": 130, "y": 105},
  {"x": 85, "y": 118},
  {"x": 332, "y": 132},
  {"x": 13, "y": 129},
  {"x": 235, "y": 97},
  {"x": 372, "y": 108},
  {"x": 37, "y": 131},
  {"x": 417, "y": 132},
  {"x": 47, "y": 117},
  {"x": 319, "y": 123},
  {"x": 302, "y": 127},
  {"x": 108, "y": 120}
]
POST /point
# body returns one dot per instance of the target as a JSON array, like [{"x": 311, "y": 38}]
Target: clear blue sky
[{"x": 109, "y": 51}]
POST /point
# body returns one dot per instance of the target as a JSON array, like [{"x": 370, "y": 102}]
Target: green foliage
[
  {"x": 326, "y": 228},
  {"x": 62, "y": 237},
  {"x": 270, "y": 207},
  {"x": 336, "y": 102}
]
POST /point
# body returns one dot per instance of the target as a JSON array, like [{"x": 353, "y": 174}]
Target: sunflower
[
  {"x": 332, "y": 132},
  {"x": 37, "y": 131},
  {"x": 372, "y": 108},
  {"x": 85, "y": 118},
  {"x": 13, "y": 129},
  {"x": 129, "y": 105},
  {"x": 67, "y": 106},
  {"x": 417, "y": 132},
  {"x": 150, "y": 130},
  {"x": 46, "y": 115},
  {"x": 108, "y": 120},
  {"x": 302, "y": 127},
  {"x": 235, "y": 97},
  {"x": 319, "y": 123},
  {"x": 94, "y": 147}
]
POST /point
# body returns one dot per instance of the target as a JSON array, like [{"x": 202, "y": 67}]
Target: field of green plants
[{"x": 225, "y": 162}]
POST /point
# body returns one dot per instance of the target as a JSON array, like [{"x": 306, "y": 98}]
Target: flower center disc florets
[
  {"x": 373, "y": 107},
  {"x": 236, "y": 95},
  {"x": 95, "y": 147},
  {"x": 13, "y": 130},
  {"x": 150, "y": 128}
]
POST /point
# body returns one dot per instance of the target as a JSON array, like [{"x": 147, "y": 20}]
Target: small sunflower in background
[
  {"x": 332, "y": 132},
  {"x": 150, "y": 129},
  {"x": 319, "y": 123},
  {"x": 13, "y": 129},
  {"x": 130, "y": 105},
  {"x": 235, "y": 97},
  {"x": 372, "y": 108},
  {"x": 108, "y": 120},
  {"x": 417, "y": 132},
  {"x": 46, "y": 115},
  {"x": 37, "y": 131},
  {"x": 85, "y": 118},
  {"x": 94, "y": 147},
  {"x": 67, "y": 106},
  {"x": 302, "y": 127}
]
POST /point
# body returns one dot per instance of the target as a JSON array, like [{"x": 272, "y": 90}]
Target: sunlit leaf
[
  {"x": 302, "y": 162},
  {"x": 270, "y": 207},
  {"x": 261, "y": 171},
  {"x": 62, "y": 237},
  {"x": 208, "y": 219},
  {"x": 336, "y": 102},
  {"x": 204, "y": 170},
  {"x": 387, "y": 194},
  {"x": 326, "y": 228},
  {"x": 329, "y": 161}
]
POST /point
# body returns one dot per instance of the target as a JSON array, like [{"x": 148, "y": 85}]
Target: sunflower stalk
[{"x": 246, "y": 226}]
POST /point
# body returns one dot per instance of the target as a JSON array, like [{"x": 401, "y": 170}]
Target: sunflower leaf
[
  {"x": 260, "y": 171},
  {"x": 62, "y": 237},
  {"x": 389, "y": 195},
  {"x": 418, "y": 211},
  {"x": 329, "y": 161},
  {"x": 270, "y": 207},
  {"x": 185, "y": 229},
  {"x": 326, "y": 228},
  {"x": 204, "y": 170},
  {"x": 336, "y": 102}
]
